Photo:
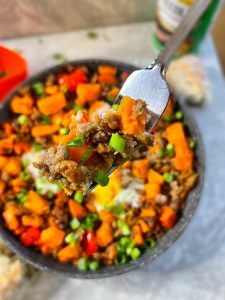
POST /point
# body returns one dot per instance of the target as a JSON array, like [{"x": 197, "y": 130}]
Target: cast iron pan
[{"x": 47, "y": 263}]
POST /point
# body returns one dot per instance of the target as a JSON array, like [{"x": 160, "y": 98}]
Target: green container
[{"x": 169, "y": 16}]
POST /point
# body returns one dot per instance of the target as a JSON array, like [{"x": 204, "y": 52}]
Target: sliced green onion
[
  {"x": 77, "y": 107},
  {"x": 22, "y": 197},
  {"x": 64, "y": 131},
  {"x": 117, "y": 143},
  {"x": 50, "y": 195},
  {"x": 192, "y": 144},
  {"x": 46, "y": 120},
  {"x": 129, "y": 247},
  {"x": 124, "y": 227},
  {"x": 121, "y": 260},
  {"x": 101, "y": 178},
  {"x": 115, "y": 106},
  {"x": 25, "y": 163},
  {"x": 77, "y": 141},
  {"x": 63, "y": 89},
  {"x": 71, "y": 238},
  {"x": 79, "y": 197},
  {"x": 94, "y": 265},
  {"x": 161, "y": 153},
  {"x": 135, "y": 253},
  {"x": 120, "y": 249},
  {"x": 168, "y": 118},
  {"x": 170, "y": 150},
  {"x": 151, "y": 243},
  {"x": 125, "y": 241},
  {"x": 82, "y": 264},
  {"x": 59, "y": 186},
  {"x": 86, "y": 155},
  {"x": 59, "y": 57},
  {"x": 22, "y": 119},
  {"x": 25, "y": 176},
  {"x": 38, "y": 88},
  {"x": 74, "y": 223},
  {"x": 91, "y": 34},
  {"x": 89, "y": 221},
  {"x": 110, "y": 99},
  {"x": 168, "y": 177},
  {"x": 118, "y": 210},
  {"x": 39, "y": 191},
  {"x": 179, "y": 115},
  {"x": 36, "y": 147}
]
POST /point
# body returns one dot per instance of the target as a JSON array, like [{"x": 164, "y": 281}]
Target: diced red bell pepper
[
  {"x": 30, "y": 236},
  {"x": 71, "y": 81},
  {"x": 154, "y": 129},
  {"x": 89, "y": 243}
]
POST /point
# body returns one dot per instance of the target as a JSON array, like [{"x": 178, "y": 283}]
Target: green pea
[
  {"x": 64, "y": 131},
  {"x": 70, "y": 238},
  {"x": 22, "y": 119},
  {"x": 179, "y": 115},
  {"x": 192, "y": 144},
  {"x": 135, "y": 253},
  {"x": 170, "y": 150},
  {"x": 79, "y": 197},
  {"x": 25, "y": 163},
  {"x": 82, "y": 264},
  {"x": 168, "y": 177},
  {"x": 75, "y": 223},
  {"x": 25, "y": 176},
  {"x": 168, "y": 118},
  {"x": 94, "y": 265},
  {"x": 151, "y": 243}
]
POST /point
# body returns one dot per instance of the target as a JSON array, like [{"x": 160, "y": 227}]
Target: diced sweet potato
[
  {"x": 155, "y": 177},
  {"x": 69, "y": 253},
  {"x": 167, "y": 217},
  {"x": 36, "y": 203},
  {"x": 44, "y": 130},
  {"x": 33, "y": 221},
  {"x": 52, "y": 237},
  {"x": 52, "y": 104},
  {"x": 10, "y": 217},
  {"x": 104, "y": 235},
  {"x": 140, "y": 168},
  {"x": 22, "y": 105},
  {"x": 152, "y": 189},
  {"x": 136, "y": 235},
  {"x": 130, "y": 123},
  {"x": 13, "y": 167},
  {"x": 148, "y": 212},
  {"x": 88, "y": 93},
  {"x": 76, "y": 209}
]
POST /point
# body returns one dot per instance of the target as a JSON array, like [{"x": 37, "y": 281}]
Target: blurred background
[{"x": 47, "y": 32}]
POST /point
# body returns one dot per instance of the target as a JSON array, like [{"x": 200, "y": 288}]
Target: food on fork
[{"x": 92, "y": 149}]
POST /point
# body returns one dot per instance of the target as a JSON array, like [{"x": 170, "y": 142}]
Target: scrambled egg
[
  {"x": 113, "y": 194},
  {"x": 104, "y": 196}
]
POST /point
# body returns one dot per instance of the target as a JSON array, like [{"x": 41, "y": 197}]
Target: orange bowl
[{"x": 15, "y": 67}]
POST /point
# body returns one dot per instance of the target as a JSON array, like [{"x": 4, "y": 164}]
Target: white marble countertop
[{"x": 194, "y": 267}]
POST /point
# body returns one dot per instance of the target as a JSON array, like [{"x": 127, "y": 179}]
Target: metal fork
[{"x": 150, "y": 84}]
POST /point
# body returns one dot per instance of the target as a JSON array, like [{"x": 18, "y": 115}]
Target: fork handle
[{"x": 182, "y": 32}]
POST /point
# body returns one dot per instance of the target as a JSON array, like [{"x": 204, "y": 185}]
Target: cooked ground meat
[{"x": 56, "y": 163}]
